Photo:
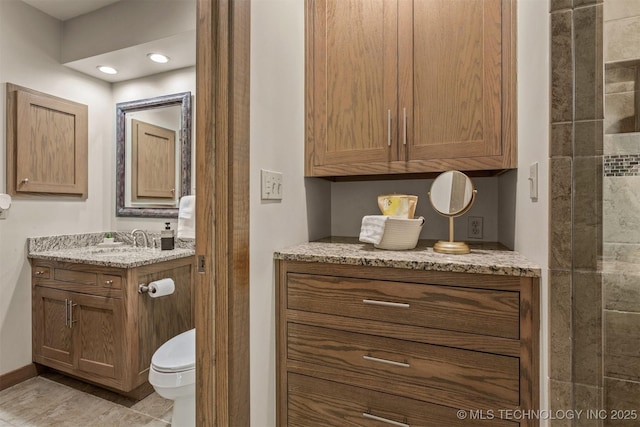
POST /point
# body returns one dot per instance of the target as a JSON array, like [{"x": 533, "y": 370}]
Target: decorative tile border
[{"x": 622, "y": 165}]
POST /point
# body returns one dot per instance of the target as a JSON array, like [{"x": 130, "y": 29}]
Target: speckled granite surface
[
  {"x": 84, "y": 248},
  {"x": 483, "y": 259}
]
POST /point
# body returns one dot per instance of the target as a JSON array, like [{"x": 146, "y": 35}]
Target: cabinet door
[
  {"x": 53, "y": 336},
  {"x": 97, "y": 324},
  {"x": 351, "y": 82},
  {"x": 46, "y": 144},
  {"x": 451, "y": 79}
]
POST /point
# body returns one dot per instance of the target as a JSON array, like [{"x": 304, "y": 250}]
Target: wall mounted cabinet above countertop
[
  {"x": 47, "y": 144},
  {"x": 409, "y": 87}
]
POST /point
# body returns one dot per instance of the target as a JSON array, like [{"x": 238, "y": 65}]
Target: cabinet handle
[
  {"x": 39, "y": 273},
  {"x": 404, "y": 126},
  {"x": 384, "y": 420},
  {"x": 389, "y": 127},
  {"x": 108, "y": 282},
  {"x": 71, "y": 321},
  {"x": 387, "y": 361},
  {"x": 386, "y": 303},
  {"x": 25, "y": 180},
  {"x": 66, "y": 312}
]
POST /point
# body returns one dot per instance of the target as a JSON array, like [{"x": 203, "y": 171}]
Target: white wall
[
  {"x": 277, "y": 136},
  {"x": 30, "y": 45},
  {"x": 29, "y": 56},
  {"x": 532, "y": 217},
  {"x": 277, "y": 143}
]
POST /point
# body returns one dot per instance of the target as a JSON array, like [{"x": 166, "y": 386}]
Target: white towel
[
  {"x": 187, "y": 217},
  {"x": 372, "y": 228}
]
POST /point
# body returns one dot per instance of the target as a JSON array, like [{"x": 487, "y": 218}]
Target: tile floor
[{"x": 50, "y": 400}]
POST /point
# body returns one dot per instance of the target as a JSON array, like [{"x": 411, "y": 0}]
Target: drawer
[
  {"x": 83, "y": 281},
  {"x": 314, "y": 402},
  {"x": 111, "y": 281},
  {"x": 40, "y": 272},
  {"x": 408, "y": 368},
  {"x": 453, "y": 308},
  {"x": 76, "y": 277}
]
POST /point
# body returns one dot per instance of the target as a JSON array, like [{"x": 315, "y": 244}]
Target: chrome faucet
[{"x": 144, "y": 234}]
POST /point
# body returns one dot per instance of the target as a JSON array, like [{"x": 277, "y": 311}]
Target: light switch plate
[{"x": 271, "y": 185}]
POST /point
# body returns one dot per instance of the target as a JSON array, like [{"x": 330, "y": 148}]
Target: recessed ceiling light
[
  {"x": 106, "y": 69},
  {"x": 158, "y": 57}
]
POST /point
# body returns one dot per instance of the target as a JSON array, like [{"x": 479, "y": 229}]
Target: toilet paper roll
[{"x": 161, "y": 287}]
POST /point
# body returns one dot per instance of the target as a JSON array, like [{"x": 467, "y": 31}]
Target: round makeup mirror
[{"x": 452, "y": 195}]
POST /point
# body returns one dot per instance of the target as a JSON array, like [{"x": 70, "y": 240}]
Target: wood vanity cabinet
[
  {"x": 409, "y": 86},
  {"x": 356, "y": 345},
  {"x": 90, "y": 321}
]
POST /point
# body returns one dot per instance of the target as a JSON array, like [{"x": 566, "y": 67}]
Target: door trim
[{"x": 222, "y": 213}]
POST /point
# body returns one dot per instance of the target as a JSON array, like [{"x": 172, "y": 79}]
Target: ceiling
[
  {"x": 67, "y": 9},
  {"x": 131, "y": 62}
]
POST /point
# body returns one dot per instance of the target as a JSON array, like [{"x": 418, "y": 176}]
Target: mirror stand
[
  {"x": 451, "y": 247},
  {"x": 452, "y": 195}
]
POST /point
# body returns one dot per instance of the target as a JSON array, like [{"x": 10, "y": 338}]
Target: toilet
[{"x": 173, "y": 375}]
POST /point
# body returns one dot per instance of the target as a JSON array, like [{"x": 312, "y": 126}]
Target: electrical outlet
[
  {"x": 271, "y": 185},
  {"x": 474, "y": 229}
]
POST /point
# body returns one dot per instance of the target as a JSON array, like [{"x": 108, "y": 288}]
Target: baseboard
[{"x": 19, "y": 375}]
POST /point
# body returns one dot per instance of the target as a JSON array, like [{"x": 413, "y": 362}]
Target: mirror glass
[
  {"x": 451, "y": 193},
  {"x": 153, "y": 165}
]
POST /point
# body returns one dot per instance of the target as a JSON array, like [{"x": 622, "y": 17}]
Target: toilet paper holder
[{"x": 157, "y": 288}]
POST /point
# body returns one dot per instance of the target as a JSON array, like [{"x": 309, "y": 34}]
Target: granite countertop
[
  {"x": 87, "y": 249},
  {"x": 483, "y": 259}
]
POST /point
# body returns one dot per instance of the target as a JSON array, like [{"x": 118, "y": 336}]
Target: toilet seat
[{"x": 176, "y": 355}]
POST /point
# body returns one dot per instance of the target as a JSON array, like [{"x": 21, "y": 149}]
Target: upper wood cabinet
[
  {"x": 46, "y": 144},
  {"x": 409, "y": 86}
]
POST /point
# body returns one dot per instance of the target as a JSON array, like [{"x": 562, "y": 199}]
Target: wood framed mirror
[{"x": 153, "y": 155}]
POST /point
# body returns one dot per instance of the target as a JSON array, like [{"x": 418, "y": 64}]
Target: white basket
[{"x": 401, "y": 233}]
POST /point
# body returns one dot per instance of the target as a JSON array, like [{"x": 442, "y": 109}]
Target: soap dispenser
[{"x": 167, "y": 241}]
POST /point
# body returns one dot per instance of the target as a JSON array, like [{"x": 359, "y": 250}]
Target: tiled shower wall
[
  {"x": 621, "y": 206},
  {"x": 575, "y": 283},
  {"x": 594, "y": 210}
]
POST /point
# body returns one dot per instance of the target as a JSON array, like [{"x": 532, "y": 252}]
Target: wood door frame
[{"x": 222, "y": 213}]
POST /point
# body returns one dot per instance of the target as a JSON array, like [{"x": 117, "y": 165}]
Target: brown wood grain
[
  {"x": 97, "y": 326},
  {"x": 47, "y": 141},
  {"x": 430, "y": 366},
  {"x": 114, "y": 330},
  {"x": 448, "y": 73},
  {"x": 222, "y": 212},
  {"x": 354, "y": 66},
  {"x": 487, "y": 312},
  {"x": 315, "y": 402},
  {"x": 322, "y": 338}
]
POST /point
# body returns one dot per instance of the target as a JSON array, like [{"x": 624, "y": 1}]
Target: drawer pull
[
  {"x": 39, "y": 273},
  {"x": 386, "y": 303},
  {"x": 384, "y": 420},
  {"x": 108, "y": 282},
  {"x": 388, "y": 362},
  {"x": 66, "y": 312}
]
